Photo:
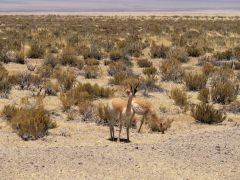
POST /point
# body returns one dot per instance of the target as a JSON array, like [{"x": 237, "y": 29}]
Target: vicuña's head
[{"x": 129, "y": 93}]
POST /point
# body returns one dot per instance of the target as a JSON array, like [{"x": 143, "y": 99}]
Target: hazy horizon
[{"x": 120, "y": 5}]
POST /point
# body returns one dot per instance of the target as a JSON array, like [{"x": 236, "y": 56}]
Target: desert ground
[{"x": 78, "y": 147}]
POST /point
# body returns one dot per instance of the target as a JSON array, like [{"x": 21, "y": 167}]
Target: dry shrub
[
  {"x": 120, "y": 78},
  {"x": 83, "y": 93},
  {"x": 206, "y": 113},
  {"x": 224, "y": 92},
  {"x": 51, "y": 60},
  {"x": 103, "y": 114},
  {"x": 144, "y": 63},
  {"x": 159, "y": 51},
  {"x": 180, "y": 97},
  {"x": 36, "y": 51},
  {"x": 234, "y": 107},
  {"x": 29, "y": 123},
  {"x": 68, "y": 56},
  {"x": 51, "y": 88},
  {"x": 151, "y": 78},
  {"x": 195, "y": 81},
  {"x": 204, "y": 95},
  {"x": 223, "y": 74},
  {"x": 20, "y": 58},
  {"x": 225, "y": 55},
  {"x": 171, "y": 70},
  {"x": 91, "y": 72},
  {"x": 119, "y": 66},
  {"x": 66, "y": 78},
  {"x": 92, "y": 62},
  {"x": 116, "y": 55},
  {"x": 207, "y": 69},
  {"x": 8, "y": 112},
  {"x": 26, "y": 80},
  {"x": 180, "y": 54},
  {"x": 92, "y": 52},
  {"x": 45, "y": 71},
  {"x": 5, "y": 82},
  {"x": 194, "y": 51}
]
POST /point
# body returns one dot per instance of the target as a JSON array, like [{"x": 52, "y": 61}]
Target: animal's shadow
[{"x": 121, "y": 140}]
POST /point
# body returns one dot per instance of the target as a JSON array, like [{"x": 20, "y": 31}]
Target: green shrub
[
  {"x": 171, "y": 70},
  {"x": 195, "y": 81},
  {"x": 205, "y": 113},
  {"x": 144, "y": 63},
  {"x": 224, "y": 92},
  {"x": 180, "y": 97}
]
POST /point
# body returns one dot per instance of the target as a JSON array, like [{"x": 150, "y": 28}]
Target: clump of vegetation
[
  {"x": 180, "y": 97},
  {"x": 119, "y": 66},
  {"x": 83, "y": 93},
  {"x": 36, "y": 51},
  {"x": 159, "y": 51},
  {"x": 116, "y": 55},
  {"x": 204, "y": 95},
  {"x": 207, "y": 69},
  {"x": 119, "y": 78},
  {"x": 225, "y": 55},
  {"x": 194, "y": 51},
  {"x": 29, "y": 123},
  {"x": 206, "y": 113},
  {"x": 45, "y": 71},
  {"x": 66, "y": 78},
  {"x": 151, "y": 77},
  {"x": 68, "y": 57},
  {"x": 51, "y": 60},
  {"x": 195, "y": 81},
  {"x": 180, "y": 54},
  {"x": 27, "y": 80},
  {"x": 91, "y": 62},
  {"x": 5, "y": 84},
  {"x": 91, "y": 72},
  {"x": 224, "y": 92},
  {"x": 144, "y": 63},
  {"x": 171, "y": 70}
]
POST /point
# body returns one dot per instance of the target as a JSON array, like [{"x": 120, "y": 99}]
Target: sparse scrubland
[{"x": 57, "y": 74}]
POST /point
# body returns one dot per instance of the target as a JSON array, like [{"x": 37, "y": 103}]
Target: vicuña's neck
[{"x": 129, "y": 104}]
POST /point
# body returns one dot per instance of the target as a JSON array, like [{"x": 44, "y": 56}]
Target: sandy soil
[{"x": 77, "y": 150}]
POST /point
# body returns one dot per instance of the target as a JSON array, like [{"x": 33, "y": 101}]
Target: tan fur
[
  {"x": 119, "y": 112},
  {"x": 146, "y": 109}
]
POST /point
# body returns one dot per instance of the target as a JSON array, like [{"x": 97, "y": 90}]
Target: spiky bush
[
  {"x": 51, "y": 60},
  {"x": 195, "y": 81},
  {"x": 83, "y": 93},
  {"x": 180, "y": 97},
  {"x": 194, "y": 51},
  {"x": 204, "y": 95},
  {"x": 224, "y": 92},
  {"x": 171, "y": 70},
  {"x": 159, "y": 51},
  {"x": 116, "y": 55},
  {"x": 180, "y": 54},
  {"x": 66, "y": 78},
  {"x": 29, "y": 123},
  {"x": 119, "y": 78},
  {"x": 206, "y": 113},
  {"x": 26, "y": 80},
  {"x": 144, "y": 63},
  {"x": 91, "y": 72},
  {"x": 5, "y": 82},
  {"x": 68, "y": 57},
  {"x": 119, "y": 66},
  {"x": 36, "y": 51},
  {"x": 207, "y": 69},
  {"x": 91, "y": 62}
]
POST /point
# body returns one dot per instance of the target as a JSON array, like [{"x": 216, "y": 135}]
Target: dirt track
[{"x": 82, "y": 151}]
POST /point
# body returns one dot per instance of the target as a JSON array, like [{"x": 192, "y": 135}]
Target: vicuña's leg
[
  {"x": 120, "y": 130},
  {"x": 128, "y": 126},
  {"x": 142, "y": 120}
]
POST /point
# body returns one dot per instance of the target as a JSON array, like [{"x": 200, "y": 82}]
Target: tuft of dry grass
[
  {"x": 205, "y": 113},
  {"x": 180, "y": 97}
]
